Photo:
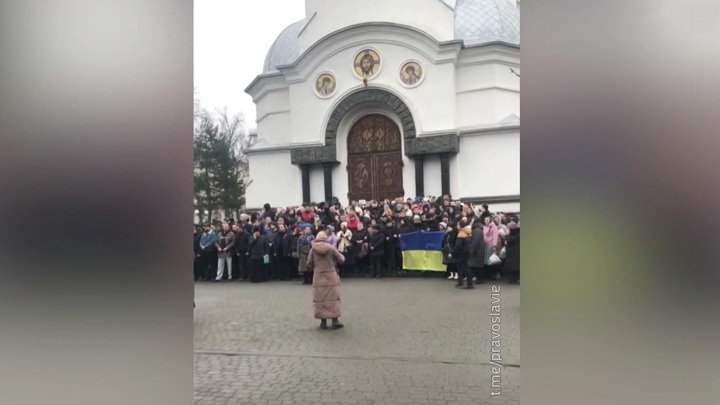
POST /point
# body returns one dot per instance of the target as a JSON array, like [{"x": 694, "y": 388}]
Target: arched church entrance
[{"x": 375, "y": 159}]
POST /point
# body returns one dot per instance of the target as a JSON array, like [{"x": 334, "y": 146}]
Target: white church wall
[
  {"x": 506, "y": 103},
  {"x": 488, "y": 165},
  {"x": 431, "y": 16},
  {"x": 273, "y": 101},
  {"x": 274, "y": 180},
  {"x": 276, "y": 128},
  {"x": 432, "y": 103},
  {"x": 476, "y": 108},
  {"x": 486, "y": 94},
  {"x": 432, "y": 172}
]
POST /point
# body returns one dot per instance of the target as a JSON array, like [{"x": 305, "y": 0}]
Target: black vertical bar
[
  {"x": 445, "y": 173},
  {"x": 419, "y": 176},
  {"x": 305, "y": 183},
  {"x": 327, "y": 167}
]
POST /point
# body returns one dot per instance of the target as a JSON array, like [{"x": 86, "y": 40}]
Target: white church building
[{"x": 382, "y": 99}]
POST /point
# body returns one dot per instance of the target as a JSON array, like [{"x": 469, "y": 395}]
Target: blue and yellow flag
[{"x": 422, "y": 251}]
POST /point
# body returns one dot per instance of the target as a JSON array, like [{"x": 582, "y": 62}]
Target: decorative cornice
[
  {"x": 266, "y": 83},
  {"x": 432, "y": 145},
  {"x": 487, "y": 130},
  {"x": 370, "y": 33},
  {"x": 489, "y": 88},
  {"x": 262, "y": 117},
  {"x": 313, "y": 155},
  {"x": 499, "y": 199}
]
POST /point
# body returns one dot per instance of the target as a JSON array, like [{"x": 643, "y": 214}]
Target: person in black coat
[
  {"x": 284, "y": 249},
  {"x": 476, "y": 262},
  {"x": 377, "y": 251},
  {"x": 512, "y": 253},
  {"x": 273, "y": 240},
  {"x": 461, "y": 252},
  {"x": 392, "y": 246},
  {"x": 268, "y": 212},
  {"x": 242, "y": 246},
  {"x": 258, "y": 249},
  {"x": 448, "y": 244},
  {"x": 360, "y": 236}
]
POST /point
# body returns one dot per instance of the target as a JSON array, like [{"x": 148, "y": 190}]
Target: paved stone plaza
[{"x": 405, "y": 341}]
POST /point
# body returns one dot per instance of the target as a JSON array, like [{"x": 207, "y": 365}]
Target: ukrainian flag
[{"x": 422, "y": 251}]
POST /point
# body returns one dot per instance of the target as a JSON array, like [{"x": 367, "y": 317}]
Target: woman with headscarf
[
  {"x": 345, "y": 245},
  {"x": 259, "y": 248},
  {"x": 303, "y": 248},
  {"x": 307, "y": 214},
  {"x": 352, "y": 221},
  {"x": 332, "y": 238},
  {"x": 323, "y": 259}
]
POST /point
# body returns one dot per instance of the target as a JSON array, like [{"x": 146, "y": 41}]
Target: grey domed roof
[
  {"x": 476, "y": 21},
  {"x": 285, "y": 49},
  {"x": 480, "y": 21}
]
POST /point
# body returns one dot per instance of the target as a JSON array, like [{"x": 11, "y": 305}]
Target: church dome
[
  {"x": 476, "y": 22},
  {"x": 286, "y": 48},
  {"x": 480, "y": 21}
]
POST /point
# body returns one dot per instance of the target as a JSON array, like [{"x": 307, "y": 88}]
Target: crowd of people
[{"x": 274, "y": 244}]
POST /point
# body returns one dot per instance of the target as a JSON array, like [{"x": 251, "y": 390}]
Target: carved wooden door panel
[
  {"x": 375, "y": 159},
  {"x": 388, "y": 176},
  {"x": 360, "y": 170}
]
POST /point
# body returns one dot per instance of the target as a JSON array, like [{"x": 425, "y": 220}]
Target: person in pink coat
[
  {"x": 323, "y": 259},
  {"x": 490, "y": 234}
]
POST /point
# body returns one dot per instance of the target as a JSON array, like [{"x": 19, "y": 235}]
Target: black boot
[
  {"x": 323, "y": 324},
  {"x": 336, "y": 324}
]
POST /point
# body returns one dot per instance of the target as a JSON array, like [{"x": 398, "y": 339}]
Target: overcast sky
[{"x": 232, "y": 38}]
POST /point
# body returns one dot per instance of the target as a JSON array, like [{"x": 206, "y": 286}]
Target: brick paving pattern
[{"x": 405, "y": 341}]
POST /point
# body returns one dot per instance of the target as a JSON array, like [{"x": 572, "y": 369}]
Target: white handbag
[
  {"x": 494, "y": 259},
  {"x": 503, "y": 253}
]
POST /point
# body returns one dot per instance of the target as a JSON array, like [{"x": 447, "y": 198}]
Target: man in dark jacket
[
  {"x": 377, "y": 251},
  {"x": 258, "y": 249},
  {"x": 208, "y": 253},
  {"x": 461, "y": 252},
  {"x": 242, "y": 245},
  {"x": 225, "y": 244}
]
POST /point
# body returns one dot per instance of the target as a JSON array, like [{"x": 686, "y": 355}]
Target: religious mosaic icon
[
  {"x": 325, "y": 85},
  {"x": 411, "y": 74},
  {"x": 367, "y": 64}
]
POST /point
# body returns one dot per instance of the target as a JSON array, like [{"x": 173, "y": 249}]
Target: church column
[
  {"x": 305, "y": 168},
  {"x": 419, "y": 176},
  {"x": 445, "y": 173},
  {"x": 327, "y": 168}
]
